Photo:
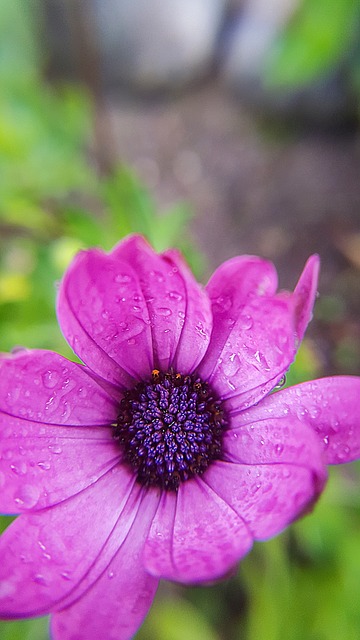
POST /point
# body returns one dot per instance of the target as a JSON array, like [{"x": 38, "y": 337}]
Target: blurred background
[{"x": 221, "y": 127}]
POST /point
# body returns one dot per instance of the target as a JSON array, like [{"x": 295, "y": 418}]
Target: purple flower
[{"x": 164, "y": 456}]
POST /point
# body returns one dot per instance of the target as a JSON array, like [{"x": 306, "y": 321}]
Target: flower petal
[
  {"x": 171, "y": 292},
  {"x": 44, "y": 387},
  {"x": 197, "y": 320},
  {"x": 41, "y": 465},
  {"x": 259, "y": 348},
  {"x": 105, "y": 318},
  {"x": 273, "y": 469},
  {"x": 230, "y": 287},
  {"x": 195, "y": 536},
  {"x": 255, "y": 340},
  {"x": 121, "y": 596},
  {"x": 305, "y": 294},
  {"x": 267, "y": 496},
  {"x": 46, "y": 554},
  {"x": 329, "y": 406},
  {"x": 271, "y": 440}
]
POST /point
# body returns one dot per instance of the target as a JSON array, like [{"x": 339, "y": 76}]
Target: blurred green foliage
[
  {"x": 303, "y": 585},
  {"x": 322, "y": 37}
]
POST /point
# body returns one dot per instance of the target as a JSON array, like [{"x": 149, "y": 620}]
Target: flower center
[{"x": 170, "y": 428}]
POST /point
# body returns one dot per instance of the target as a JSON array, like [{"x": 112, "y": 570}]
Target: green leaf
[{"x": 318, "y": 38}]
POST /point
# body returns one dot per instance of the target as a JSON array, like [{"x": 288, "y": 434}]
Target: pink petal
[
  {"x": 46, "y": 554},
  {"x": 256, "y": 337},
  {"x": 305, "y": 294},
  {"x": 330, "y": 406},
  {"x": 42, "y": 386},
  {"x": 231, "y": 286},
  {"x": 272, "y": 440},
  {"x": 41, "y": 464},
  {"x": 195, "y": 536},
  {"x": 196, "y": 320},
  {"x": 105, "y": 318},
  {"x": 267, "y": 496},
  {"x": 272, "y": 471},
  {"x": 120, "y": 597},
  {"x": 259, "y": 348},
  {"x": 169, "y": 290}
]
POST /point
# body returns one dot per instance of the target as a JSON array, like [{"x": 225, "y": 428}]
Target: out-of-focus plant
[
  {"x": 322, "y": 37},
  {"x": 52, "y": 201},
  {"x": 47, "y": 189}
]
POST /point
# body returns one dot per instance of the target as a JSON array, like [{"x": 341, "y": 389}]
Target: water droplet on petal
[
  {"x": 65, "y": 575},
  {"x": 27, "y": 496},
  {"x": 55, "y": 448},
  {"x": 44, "y": 465},
  {"x": 164, "y": 311},
  {"x": 281, "y": 383},
  {"x": 122, "y": 278},
  {"x": 232, "y": 365},
  {"x": 174, "y": 295},
  {"x": 50, "y": 379}
]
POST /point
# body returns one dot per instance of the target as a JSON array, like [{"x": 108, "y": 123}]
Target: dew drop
[
  {"x": 279, "y": 448},
  {"x": 157, "y": 275},
  {"x": 281, "y": 383},
  {"x": 27, "y": 496},
  {"x": 44, "y": 465},
  {"x": 123, "y": 326},
  {"x": 232, "y": 365},
  {"x": 164, "y": 311},
  {"x": 55, "y": 448},
  {"x": 19, "y": 469},
  {"x": 246, "y": 322},
  {"x": 50, "y": 379},
  {"x": 174, "y": 295},
  {"x": 65, "y": 575},
  {"x": 122, "y": 278}
]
